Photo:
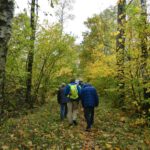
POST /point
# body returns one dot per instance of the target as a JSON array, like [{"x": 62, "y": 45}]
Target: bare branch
[{"x": 129, "y": 4}]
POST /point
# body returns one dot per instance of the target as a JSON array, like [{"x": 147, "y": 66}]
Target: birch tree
[
  {"x": 31, "y": 55},
  {"x": 63, "y": 12},
  {"x": 6, "y": 15}
]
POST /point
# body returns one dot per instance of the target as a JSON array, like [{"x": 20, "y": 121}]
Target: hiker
[
  {"x": 89, "y": 99},
  {"x": 72, "y": 91},
  {"x": 62, "y": 100},
  {"x": 81, "y": 84}
]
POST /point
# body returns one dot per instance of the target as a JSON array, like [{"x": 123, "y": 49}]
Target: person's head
[
  {"x": 87, "y": 85},
  {"x": 72, "y": 80},
  {"x": 63, "y": 85},
  {"x": 80, "y": 82}
]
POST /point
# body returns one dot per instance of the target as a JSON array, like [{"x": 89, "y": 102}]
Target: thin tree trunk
[
  {"x": 37, "y": 86},
  {"x": 144, "y": 49},
  {"x": 29, "y": 99},
  {"x": 6, "y": 15},
  {"x": 132, "y": 85},
  {"x": 120, "y": 47},
  {"x": 46, "y": 80},
  {"x": 130, "y": 66}
]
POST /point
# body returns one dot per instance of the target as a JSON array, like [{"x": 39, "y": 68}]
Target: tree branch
[{"x": 129, "y": 4}]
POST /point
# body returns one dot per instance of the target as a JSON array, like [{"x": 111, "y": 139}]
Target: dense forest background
[
  {"x": 35, "y": 58},
  {"x": 113, "y": 56}
]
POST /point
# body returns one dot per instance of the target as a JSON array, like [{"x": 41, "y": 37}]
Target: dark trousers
[
  {"x": 89, "y": 116},
  {"x": 63, "y": 110}
]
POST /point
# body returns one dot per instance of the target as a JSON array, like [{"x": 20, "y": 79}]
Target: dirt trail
[{"x": 113, "y": 129}]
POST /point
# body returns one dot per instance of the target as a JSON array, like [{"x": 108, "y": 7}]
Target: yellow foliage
[
  {"x": 64, "y": 71},
  {"x": 135, "y": 103},
  {"x": 108, "y": 146},
  {"x": 140, "y": 121},
  {"x": 115, "y": 33},
  {"x": 102, "y": 67},
  {"x": 120, "y": 40}
]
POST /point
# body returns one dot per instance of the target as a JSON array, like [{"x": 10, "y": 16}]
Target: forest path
[{"x": 42, "y": 129}]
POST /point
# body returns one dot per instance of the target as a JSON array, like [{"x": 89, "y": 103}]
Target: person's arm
[
  {"x": 58, "y": 96},
  {"x": 82, "y": 97},
  {"x": 79, "y": 91},
  {"x": 96, "y": 98},
  {"x": 67, "y": 90}
]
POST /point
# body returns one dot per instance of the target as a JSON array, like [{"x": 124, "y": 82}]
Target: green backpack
[{"x": 73, "y": 91}]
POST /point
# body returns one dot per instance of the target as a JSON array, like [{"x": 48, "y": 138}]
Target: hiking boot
[
  {"x": 88, "y": 129},
  {"x": 75, "y": 122},
  {"x": 70, "y": 124}
]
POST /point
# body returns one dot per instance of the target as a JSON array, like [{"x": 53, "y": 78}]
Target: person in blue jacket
[
  {"x": 62, "y": 100},
  {"x": 72, "y": 91},
  {"x": 90, "y": 100}
]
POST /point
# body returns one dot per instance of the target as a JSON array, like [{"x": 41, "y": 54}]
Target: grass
[{"x": 42, "y": 129}]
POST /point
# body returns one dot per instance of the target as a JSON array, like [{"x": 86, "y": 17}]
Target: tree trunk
[
  {"x": 29, "y": 99},
  {"x": 6, "y": 15},
  {"x": 120, "y": 47},
  {"x": 144, "y": 49}
]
